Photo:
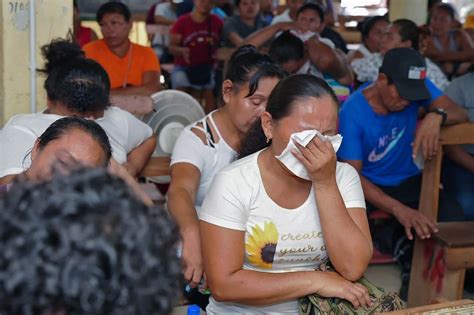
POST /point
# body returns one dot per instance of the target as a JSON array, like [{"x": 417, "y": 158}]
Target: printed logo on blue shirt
[{"x": 387, "y": 143}]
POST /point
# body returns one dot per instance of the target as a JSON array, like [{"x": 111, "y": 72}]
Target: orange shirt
[{"x": 127, "y": 70}]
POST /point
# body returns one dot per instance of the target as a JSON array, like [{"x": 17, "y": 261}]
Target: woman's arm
[
  {"x": 257, "y": 39},
  {"x": 223, "y": 252},
  {"x": 330, "y": 61},
  {"x": 260, "y": 37},
  {"x": 137, "y": 158},
  {"x": 184, "y": 184},
  {"x": 350, "y": 251},
  {"x": 346, "y": 76},
  {"x": 5, "y": 180},
  {"x": 354, "y": 54},
  {"x": 464, "y": 54},
  {"x": 120, "y": 171}
]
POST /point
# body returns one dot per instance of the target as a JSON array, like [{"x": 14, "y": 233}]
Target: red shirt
[
  {"x": 201, "y": 38},
  {"x": 84, "y": 36}
]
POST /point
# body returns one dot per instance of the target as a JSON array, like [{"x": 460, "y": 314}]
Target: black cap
[{"x": 406, "y": 68}]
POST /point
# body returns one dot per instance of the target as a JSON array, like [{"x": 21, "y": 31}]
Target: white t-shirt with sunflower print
[{"x": 276, "y": 239}]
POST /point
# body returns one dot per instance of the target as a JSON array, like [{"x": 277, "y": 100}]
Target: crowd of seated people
[
  {"x": 270, "y": 192},
  {"x": 75, "y": 86},
  {"x": 400, "y": 33}
]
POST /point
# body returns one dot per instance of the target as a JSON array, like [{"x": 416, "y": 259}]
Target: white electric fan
[{"x": 172, "y": 111}]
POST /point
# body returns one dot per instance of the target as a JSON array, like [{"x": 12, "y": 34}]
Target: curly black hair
[
  {"x": 83, "y": 244},
  {"x": 80, "y": 84}
]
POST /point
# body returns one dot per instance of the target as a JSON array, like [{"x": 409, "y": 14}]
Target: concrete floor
[{"x": 386, "y": 276}]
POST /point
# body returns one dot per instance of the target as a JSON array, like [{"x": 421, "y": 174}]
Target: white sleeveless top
[
  {"x": 209, "y": 158},
  {"x": 276, "y": 239}
]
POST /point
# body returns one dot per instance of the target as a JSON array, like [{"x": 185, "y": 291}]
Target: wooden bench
[
  {"x": 156, "y": 166},
  {"x": 439, "y": 264},
  {"x": 449, "y": 307}
]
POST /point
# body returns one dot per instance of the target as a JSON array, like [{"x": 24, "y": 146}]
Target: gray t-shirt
[
  {"x": 161, "y": 39},
  {"x": 235, "y": 24},
  {"x": 460, "y": 91}
]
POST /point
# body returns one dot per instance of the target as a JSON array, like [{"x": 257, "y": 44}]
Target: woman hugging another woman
[{"x": 208, "y": 145}]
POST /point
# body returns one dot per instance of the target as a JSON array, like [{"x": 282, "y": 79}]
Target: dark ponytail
[
  {"x": 280, "y": 103},
  {"x": 80, "y": 84},
  {"x": 248, "y": 65},
  {"x": 59, "y": 52}
]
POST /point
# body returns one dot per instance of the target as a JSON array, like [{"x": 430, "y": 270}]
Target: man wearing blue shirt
[{"x": 381, "y": 139}]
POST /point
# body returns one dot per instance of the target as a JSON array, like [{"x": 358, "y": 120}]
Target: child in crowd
[
  {"x": 75, "y": 86},
  {"x": 194, "y": 38}
]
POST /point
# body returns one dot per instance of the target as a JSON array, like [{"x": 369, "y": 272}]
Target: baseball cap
[{"x": 406, "y": 68}]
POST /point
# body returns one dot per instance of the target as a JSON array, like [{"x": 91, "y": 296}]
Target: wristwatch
[{"x": 441, "y": 112}]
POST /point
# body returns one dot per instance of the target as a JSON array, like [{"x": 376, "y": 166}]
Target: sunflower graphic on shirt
[{"x": 261, "y": 245}]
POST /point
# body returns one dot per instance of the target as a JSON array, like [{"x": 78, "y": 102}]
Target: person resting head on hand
[
  {"x": 75, "y": 87},
  {"x": 68, "y": 143},
  {"x": 315, "y": 58},
  {"x": 81, "y": 243}
]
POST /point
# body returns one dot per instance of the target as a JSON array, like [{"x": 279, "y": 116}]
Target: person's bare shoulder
[{"x": 354, "y": 54}]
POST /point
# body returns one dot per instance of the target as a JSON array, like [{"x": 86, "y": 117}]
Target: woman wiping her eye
[{"x": 266, "y": 226}]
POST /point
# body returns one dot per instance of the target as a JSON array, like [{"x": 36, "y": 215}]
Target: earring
[{"x": 268, "y": 140}]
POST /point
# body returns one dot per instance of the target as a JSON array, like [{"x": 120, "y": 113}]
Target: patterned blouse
[{"x": 367, "y": 69}]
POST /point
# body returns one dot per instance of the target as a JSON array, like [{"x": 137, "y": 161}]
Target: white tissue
[{"x": 304, "y": 138}]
